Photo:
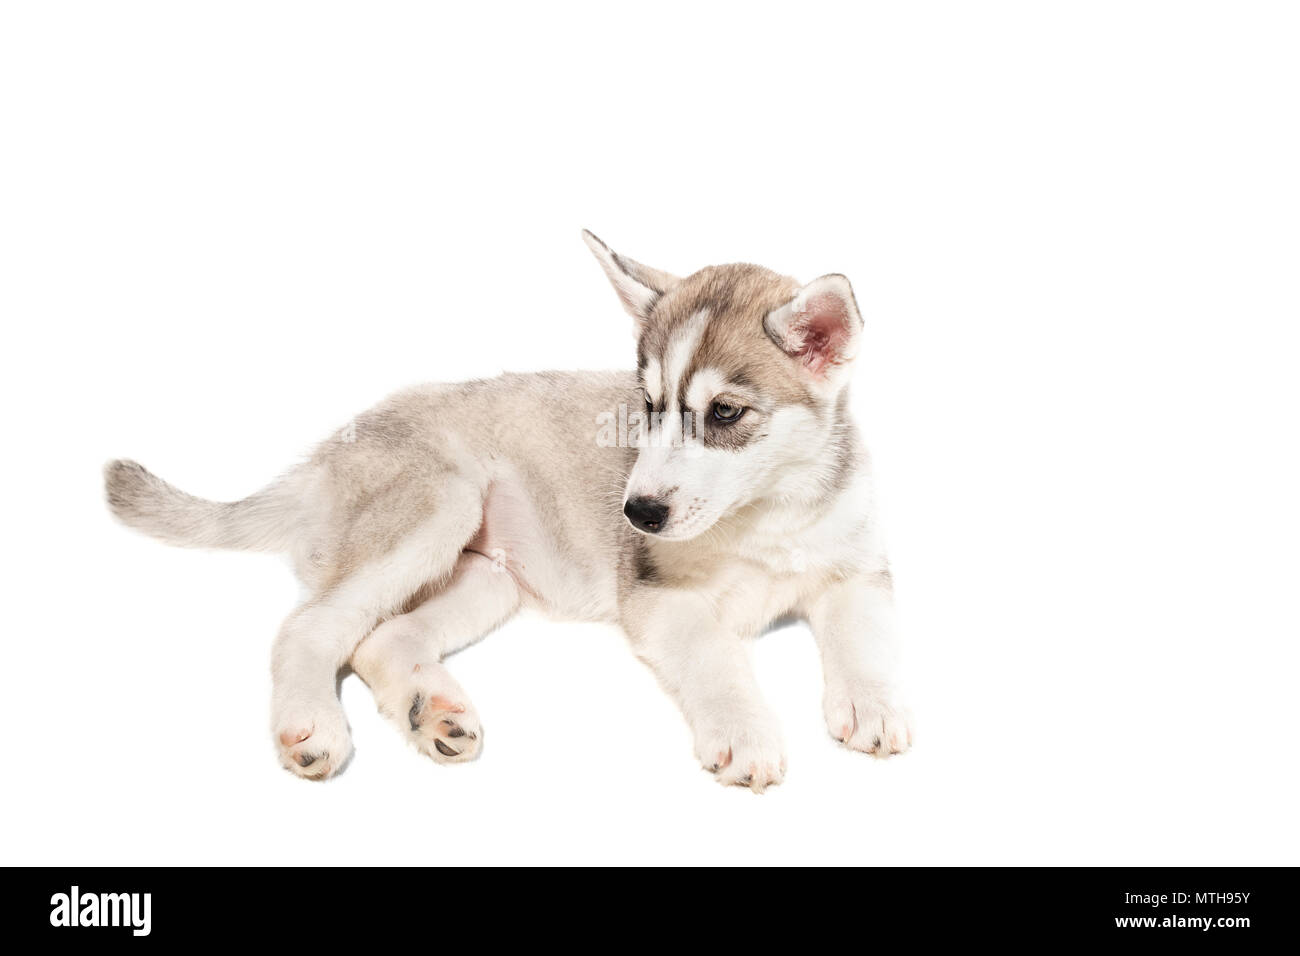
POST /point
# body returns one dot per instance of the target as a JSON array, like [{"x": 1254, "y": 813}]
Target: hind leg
[
  {"x": 315, "y": 642},
  {"x": 402, "y": 659}
]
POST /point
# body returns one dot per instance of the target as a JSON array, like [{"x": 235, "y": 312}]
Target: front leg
[
  {"x": 707, "y": 671},
  {"x": 852, "y": 622}
]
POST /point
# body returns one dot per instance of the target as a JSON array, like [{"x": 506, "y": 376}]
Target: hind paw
[
  {"x": 433, "y": 711},
  {"x": 314, "y": 746},
  {"x": 446, "y": 729}
]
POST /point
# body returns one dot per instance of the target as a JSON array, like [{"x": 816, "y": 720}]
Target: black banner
[{"x": 1226, "y": 907}]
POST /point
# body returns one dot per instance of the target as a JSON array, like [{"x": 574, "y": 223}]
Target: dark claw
[
  {"x": 875, "y": 742},
  {"x": 747, "y": 779},
  {"x": 445, "y": 750},
  {"x": 417, "y": 705},
  {"x": 715, "y": 768},
  {"x": 456, "y": 730},
  {"x": 306, "y": 760}
]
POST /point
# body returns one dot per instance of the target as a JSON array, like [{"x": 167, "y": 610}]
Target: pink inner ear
[{"x": 820, "y": 333}]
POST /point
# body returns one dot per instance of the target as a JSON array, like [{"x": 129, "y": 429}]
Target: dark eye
[{"x": 722, "y": 412}]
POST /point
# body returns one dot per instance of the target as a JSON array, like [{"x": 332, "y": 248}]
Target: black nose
[{"x": 648, "y": 514}]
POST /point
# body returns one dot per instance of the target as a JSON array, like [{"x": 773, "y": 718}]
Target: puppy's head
[{"x": 744, "y": 374}]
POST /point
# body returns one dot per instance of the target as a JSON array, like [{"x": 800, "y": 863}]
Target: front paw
[
  {"x": 313, "y": 744},
  {"x": 746, "y": 753},
  {"x": 868, "y": 716}
]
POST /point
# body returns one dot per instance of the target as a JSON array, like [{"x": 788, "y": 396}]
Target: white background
[{"x": 1073, "y": 230}]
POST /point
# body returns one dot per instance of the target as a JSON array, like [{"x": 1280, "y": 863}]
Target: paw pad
[{"x": 433, "y": 726}]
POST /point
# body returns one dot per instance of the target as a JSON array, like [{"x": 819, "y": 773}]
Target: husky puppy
[{"x": 716, "y": 490}]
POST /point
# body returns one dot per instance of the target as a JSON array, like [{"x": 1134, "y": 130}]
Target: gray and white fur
[{"x": 738, "y": 495}]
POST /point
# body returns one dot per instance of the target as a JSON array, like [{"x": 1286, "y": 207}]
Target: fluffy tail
[{"x": 262, "y": 522}]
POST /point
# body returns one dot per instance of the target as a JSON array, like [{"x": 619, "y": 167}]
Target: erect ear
[
  {"x": 638, "y": 286},
  {"x": 820, "y": 327}
]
